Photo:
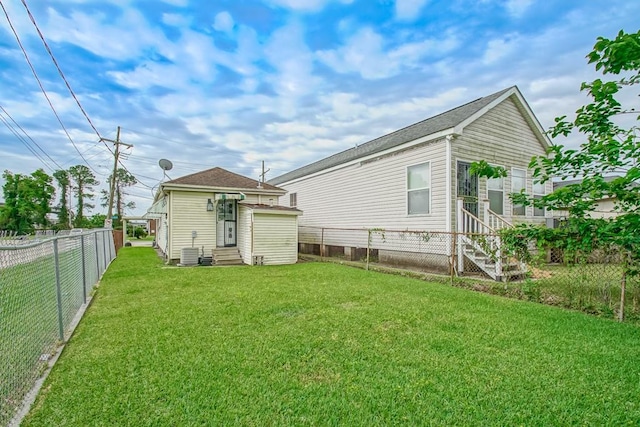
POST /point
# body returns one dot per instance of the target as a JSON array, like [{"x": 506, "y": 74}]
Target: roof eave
[
  {"x": 426, "y": 138},
  {"x": 214, "y": 189}
]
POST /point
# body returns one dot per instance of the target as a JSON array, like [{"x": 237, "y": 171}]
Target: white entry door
[{"x": 226, "y": 223}]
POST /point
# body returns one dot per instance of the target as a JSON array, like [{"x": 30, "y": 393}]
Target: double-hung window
[
  {"x": 495, "y": 194},
  {"x": 293, "y": 200},
  {"x": 538, "y": 192},
  {"x": 419, "y": 189},
  {"x": 518, "y": 183}
]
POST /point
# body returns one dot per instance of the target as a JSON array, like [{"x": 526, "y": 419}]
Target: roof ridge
[{"x": 195, "y": 173}]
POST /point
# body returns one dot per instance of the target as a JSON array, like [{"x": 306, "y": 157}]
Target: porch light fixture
[{"x": 209, "y": 205}]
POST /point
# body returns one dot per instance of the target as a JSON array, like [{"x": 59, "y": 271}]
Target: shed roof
[
  {"x": 222, "y": 178},
  {"x": 274, "y": 208},
  {"x": 432, "y": 125}
]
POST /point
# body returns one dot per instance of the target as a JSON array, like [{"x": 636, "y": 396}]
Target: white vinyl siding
[
  {"x": 418, "y": 189},
  {"x": 502, "y": 136},
  {"x": 495, "y": 194},
  {"x": 518, "y": 183},
  {"x": 275, "y": 238},
  {"x": 188, "y": 212},
  {"x": 373, "y": 193},
  {"x": 245, "y": 230}
]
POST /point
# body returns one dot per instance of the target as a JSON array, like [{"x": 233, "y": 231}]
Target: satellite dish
[{"x": 165, "y": 164}]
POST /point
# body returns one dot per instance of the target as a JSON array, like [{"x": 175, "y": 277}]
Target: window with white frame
[
  {"x": 419, "y": 189},
  {"x": 518, "y": 183},
  {"x": 293, "y": 200},
  {"x": 495, "y": 194},
  {"x": 538, "y": 193}
]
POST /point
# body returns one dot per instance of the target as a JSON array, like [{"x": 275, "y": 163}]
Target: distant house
[
  {"x": 227, "y": 216},
  {"x": 604, "y": 207},
  {"x": 414, "y": 177}
]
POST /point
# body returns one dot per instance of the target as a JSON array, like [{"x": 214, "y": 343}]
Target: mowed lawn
[{"x": 324, "y": 344}]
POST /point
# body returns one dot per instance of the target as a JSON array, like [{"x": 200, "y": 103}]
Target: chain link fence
[
  {"x": 425, "y": 251},
  {"x": 596, "y": 283},
  {"x": 45, "y": 282}
]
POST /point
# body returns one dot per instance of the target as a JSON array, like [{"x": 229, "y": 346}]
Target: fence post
[
  {"x": 368, "y": 246},
  {"x": 56, "y": 260},
  {"x": 453, "y": 250},
  {"x": 460, "y": 227},
  {"x": 322, "y": 243},
  {"x": 95, "y": 238},
  {"x": 84, "y": 270},
  {"x": 104, "y": 247},
  {"x": 499, "y": 257}
]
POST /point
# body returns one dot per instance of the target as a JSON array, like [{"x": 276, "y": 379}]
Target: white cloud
[
  {"x": 305, "y": 5},
  {"x": 180, "y": 3},
  {"x": 301, "y": 5},
  {"x": 408, "y": 10},
  {"x": 175, "y": 19},
  {"x": 366, "y": 53},
  {"x": 223, "y": 22},
  {"x": 517, "y": 8},
  {"x": 103, "y": 36},
  {"x": 289, "y": 55},
  {"x": 498, "y": 49}
]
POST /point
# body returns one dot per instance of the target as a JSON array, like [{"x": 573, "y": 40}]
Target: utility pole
[
  {"x": 264, "y": 172},
  {"x": 112, "y": 187}
]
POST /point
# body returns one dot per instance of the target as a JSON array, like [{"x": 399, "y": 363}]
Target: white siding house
[
  {"x": 412, "y": 179},
  {"x": 213, "y": 210}
]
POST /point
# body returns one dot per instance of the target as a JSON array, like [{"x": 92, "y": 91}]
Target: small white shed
[{"x": 270, "y": 234}]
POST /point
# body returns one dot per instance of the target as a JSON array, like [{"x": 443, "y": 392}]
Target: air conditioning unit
[{"x": 189, "y": 256}]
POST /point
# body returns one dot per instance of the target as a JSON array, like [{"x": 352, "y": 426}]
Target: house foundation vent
[{"x": 189, "y": 256}]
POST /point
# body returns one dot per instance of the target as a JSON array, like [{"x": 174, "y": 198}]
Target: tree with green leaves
[
  {"x": 607, "y": 164},
  {"x": 27, "y": 201},
  {"x": 123, "y": 180},
  {"x": 84, "y": 181},
  {"x": 62, "y": 177},
  {"x": 96, "y": 221}
]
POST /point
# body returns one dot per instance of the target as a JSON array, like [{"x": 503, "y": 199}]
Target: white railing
[
  {"x": 488, "y": 242},
  {"x": 494, "y": 220}
]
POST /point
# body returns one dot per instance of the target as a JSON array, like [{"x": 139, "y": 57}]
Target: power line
[
  {"x": 44, "y": 92},
  {"x": 55, "y": 62},
  {"x": 28, "y": 136},
  {"x": 25, "y": 143}
]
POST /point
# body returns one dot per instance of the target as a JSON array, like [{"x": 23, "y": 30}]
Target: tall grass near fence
[{"x": 43, "y": 286}]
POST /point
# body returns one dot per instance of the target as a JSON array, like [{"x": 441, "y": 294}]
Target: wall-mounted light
[{"x": 209, "y": 205}]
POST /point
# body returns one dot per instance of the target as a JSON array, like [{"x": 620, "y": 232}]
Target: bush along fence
[
  {"x": 45, "y": 286},
  {"x": 595, "y": 282}
]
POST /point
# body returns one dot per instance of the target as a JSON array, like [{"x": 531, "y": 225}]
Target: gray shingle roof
[
  {"x": 412, "y": 132},
  {"x": 218, "y": 177}
]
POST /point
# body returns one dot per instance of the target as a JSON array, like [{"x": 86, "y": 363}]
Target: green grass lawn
[{"x": 324, "y": 344}]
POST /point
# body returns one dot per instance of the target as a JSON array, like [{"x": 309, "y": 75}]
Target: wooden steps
[{"x": 227, "y": 256}]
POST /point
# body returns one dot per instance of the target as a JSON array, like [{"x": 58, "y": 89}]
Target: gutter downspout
[{"x": 252, "y": 238}]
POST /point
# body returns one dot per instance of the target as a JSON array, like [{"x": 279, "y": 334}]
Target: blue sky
[{"x": 232, "y": 83}]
